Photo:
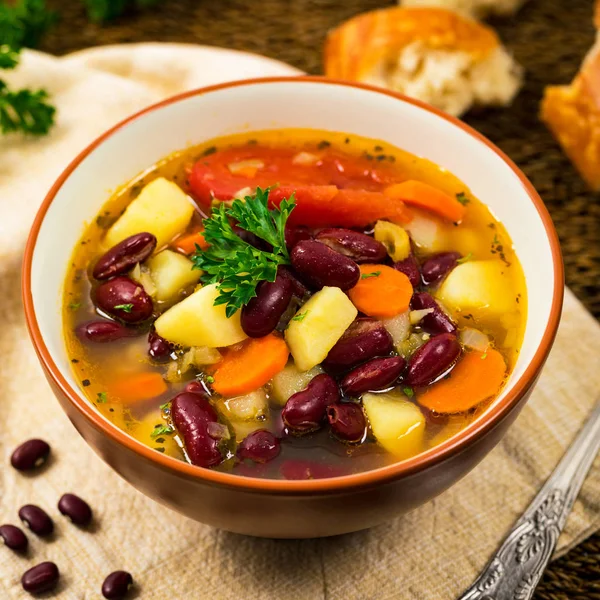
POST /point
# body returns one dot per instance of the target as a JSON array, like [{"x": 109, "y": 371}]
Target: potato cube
[
  {"x": 249, "y": 407},
  {"x": 162, "y": 208},
  {"x": 196, "y": 321},
  {"x": 318, "y": 325},
  {"x": 289, "y": 381},
  {"x": 146, "y": 431},
  {"x": 397, "y": 424},
  {"x": 171, "y": 272}
]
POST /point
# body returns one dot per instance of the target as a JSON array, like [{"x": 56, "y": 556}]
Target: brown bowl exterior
[{"x": 293, "y": 509}]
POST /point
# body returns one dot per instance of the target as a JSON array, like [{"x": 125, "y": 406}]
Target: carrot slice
[
  {"x": 422, "y": 195},
  {"x": 186, "y": 244},
  {"x": 477, "y": 377},
  {"x": 381, "y": 291},
  {"x": 246, "y": 369},
  {"x": 138, "y": 387}
]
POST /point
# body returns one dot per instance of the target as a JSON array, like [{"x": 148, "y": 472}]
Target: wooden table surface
[{"x": 548, "y": 37}]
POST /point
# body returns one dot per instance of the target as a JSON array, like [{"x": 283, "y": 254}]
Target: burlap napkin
[{"x": 431, "y": 554}]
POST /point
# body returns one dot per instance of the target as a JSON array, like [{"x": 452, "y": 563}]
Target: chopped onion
[
  {"x": 245, "y": 408},
  {"x": 426, "y": 232},
  {"x": 205, "y": 356},
  {"x": 218, "y": 431},
  {"x": 417, "y": 315},
  {"x": 475, "y": 339},
  {"x": 252, "y": 163},
  {"x": 398, "y": 327},
  {"x": 141, "y": 275},
  {"x": 241, "y": 194},
  {"x": 306, "y": 159}
]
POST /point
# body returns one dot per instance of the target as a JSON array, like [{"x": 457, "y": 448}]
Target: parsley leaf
[
  {"x": 367, "y": 275},
  {"x": 209, "y": 379},
  {"x": 101, "y": 397},
  {"x": 465, "y": 259},
  {"x": 25, "y": 110},
  {"x": 408, "y": 392},
  {"x": 165, "y": 406},
  {"x": 101, "y": 11},
  {"x": 462, "y": 198},
  {"x": 300, "y": 316},
  {"x": 9, "y": 57},
  {"x": 74, "y": 305},
  {"x": 234, "y": 264},
  {"x": 124, "y": 307},
  {"x": 23, "y": 24},
  {"x": 161, "y": 430}
]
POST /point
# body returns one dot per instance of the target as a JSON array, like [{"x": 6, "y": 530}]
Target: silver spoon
[{"x": 517, "y": 566}]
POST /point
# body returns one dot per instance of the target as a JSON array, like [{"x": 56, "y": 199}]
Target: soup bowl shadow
[{"x": 279, "y": 508}]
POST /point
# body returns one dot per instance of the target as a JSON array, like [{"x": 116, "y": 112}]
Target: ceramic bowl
[{"x": 277, "y": 508}]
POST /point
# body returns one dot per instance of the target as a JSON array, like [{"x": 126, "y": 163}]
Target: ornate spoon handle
[{"x": 517, "y": 567}]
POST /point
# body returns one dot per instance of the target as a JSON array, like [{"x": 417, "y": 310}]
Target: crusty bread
[
  {"x": 474, "y": 8},
  {"x": 432, "y": 54},
  {"x": 572, "y": 113}
]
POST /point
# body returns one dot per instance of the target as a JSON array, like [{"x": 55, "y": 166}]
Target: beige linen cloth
[{"x": 431, "y": 554}]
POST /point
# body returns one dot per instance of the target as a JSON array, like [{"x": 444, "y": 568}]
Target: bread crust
[{"x": 356, "y": 46}]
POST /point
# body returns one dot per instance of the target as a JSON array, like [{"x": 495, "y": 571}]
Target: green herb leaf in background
[
  {"x": 101, "y": 11},
  {"x": 25, "y": 110},
  {"x": 9, "y": 57}
]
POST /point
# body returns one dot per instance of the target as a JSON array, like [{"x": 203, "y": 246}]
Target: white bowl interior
[{"x": 140, "y": 143}]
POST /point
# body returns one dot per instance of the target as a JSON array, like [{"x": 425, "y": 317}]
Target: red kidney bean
[
  {"x": 359, "y": 247},
  {"x": 410, "y": 267},
  {"x": 158, "y": 348},
  {"x": 318, "y": 266},
  {"x": 100, "y": 332},
  {"x": 191, "y": 414},
  {"x": 305, "y": 410},
  {"x": 437, "y": 321},
  {"x": 432, "y": 359},
  {"x": 124, "y": 256},
  {"x": 14, "y": 538},
  {"x": 377, "y": 374},
  {"x": 260, "y": 446},
  {"x": 116, "y": 585},
  {"x": 295, "y": 234},
  {"x": 347, "y": 421},
  {"x": 125, "y": 299},
  {"x": 298, "y": 288},
  {"x": 365, "y": 338},
  {"x": 36, "y": 519},
  {"x": 76, "y": 509},
  {"x": 31, "y": 454},
  {"x": 435, "y": 268},
  {"x": 261, "y": 315},
  {"x": 196, "y": 387},
  {"x": 41, "y": 578}
]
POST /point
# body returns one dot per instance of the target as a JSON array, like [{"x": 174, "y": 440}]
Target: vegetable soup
[{"x": 293, "y": 304}]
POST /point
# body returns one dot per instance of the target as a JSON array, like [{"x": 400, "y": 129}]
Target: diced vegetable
[
  {"x": 202, "y": 356},
  {"x": 251, "y": 366},
  {"x": 136, "y": 387},
  {"x": 153, "y": 431},
  {"x": 394, "y": 238},
  {"x": 141, "y": 274},
  {"x": 246, "y": 168},
  {"x": 427, "y": 232},
  {"x": 412, "y": 343},
  {"x": 423, "y": 195},
  {"x": 474, "y": 339},
  {"x": 245, "y": 428},
  {"x": 248, "y": 407},
  {"x": 171, "y": 272},
  {"x": 479, "y": 284},
  {"x": 417, "y": 315},
  {"x": 306, "y": 159},
  {"x": 477, "y": 377},
  {"x": 186, "y": 244},
  {"x": 196, "y": 321},
  {"x": 162, "y": 208},
  {"x": 289, "y": 381},
  {"x": 398, "y": 327},
  {"x": 318, "y": 325},
  {"x": 381, "y": 291},
  {"x": 397, "y": 424}
]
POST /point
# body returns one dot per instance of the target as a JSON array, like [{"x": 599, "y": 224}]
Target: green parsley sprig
[
  {"x": 234, "y": 264},
  {"x": 101, "y": 11}
]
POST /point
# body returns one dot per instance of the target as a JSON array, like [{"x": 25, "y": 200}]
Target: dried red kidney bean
[
  {"x": 125, "y": 255},
  {"x": 437, "y": 321},
  {"x": 100, "y": 332},
  {"x": 116, "y": 585},
  {"x": 433, "y": 359},
  {"x": 14, "y": 538},
  {"x": 125, "y": 299},
  {"x": 41, "y": 578},
  {"x": 76, "y": 509},
  {"x": 260, "y": 446},
  {"x": 305, "y": 410},
  {"x": 31, "y": 454},
  {"x": 410, "y": 267},
  {"x": 435, "y": 268},
  {"x": 347, "y": 421},
  {"x": 359, "y": 247},
  {"x": 375, "y": 374},
  {"x": 158, "y": 348},
  {"x": 36, "y": 519},
  {"x": 365, "y": 338}
]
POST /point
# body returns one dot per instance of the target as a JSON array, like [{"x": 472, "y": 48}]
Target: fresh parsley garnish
[
  {"x": 234, "y": 264},
  {"x": 101, "y": 11},
  {"x": 25, "y": 110},
  {"x": 165, "y": 406},
  {"x": 408, "y": 392},
  {"x": 367, "y": 275},
  {"x": 161, "y": 430},
  {"x": 101, "y": 397},
  {"x": 465, "y": 259},
  {"x": 74, "y": 305},
  {"x": 209, "y": 379},
  {"x": 462, "y": 198},
  {"x": 124, "y": 307},
  {"x": 300, "y": 316}
]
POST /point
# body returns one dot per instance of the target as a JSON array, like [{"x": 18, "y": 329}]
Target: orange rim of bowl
[{"x": 496, "y": 413}]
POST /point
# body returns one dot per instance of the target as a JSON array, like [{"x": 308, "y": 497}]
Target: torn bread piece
[
  {"x": 474, "y": 8},
  {"x": 572, "y": 113},
  {"x": 432, "y": 54}
]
